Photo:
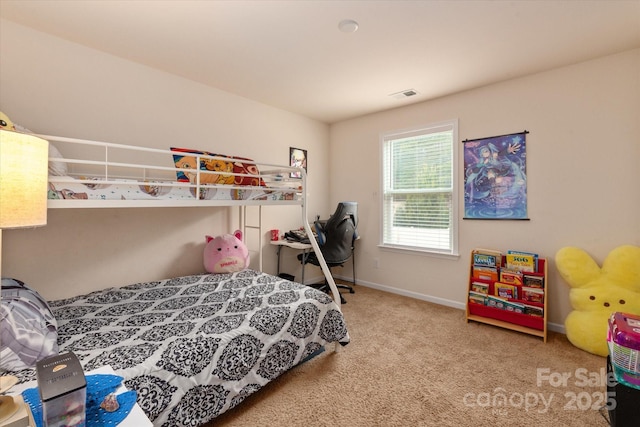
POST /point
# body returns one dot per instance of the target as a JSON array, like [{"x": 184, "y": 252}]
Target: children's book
[
  {"x": 477, "y": 298},
  {"x": 487, "y": 258},
  {"x": 522, "y": 261},
  {"x": 532, "y": 294},
  {"x": 505, "y": 290},
  {"x": 485, "y": 273},
  {"x": 533, "y": 281},
  {"x": 496, "y": 302},
  {"x": 513, "y": 277},
  {"x": 480, "y": 287},
  {"x": 533, "y": 310},
  {"x": 514, "y": 307}
]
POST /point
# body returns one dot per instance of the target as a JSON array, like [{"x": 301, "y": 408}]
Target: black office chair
[{"x": 336, "y": 237}]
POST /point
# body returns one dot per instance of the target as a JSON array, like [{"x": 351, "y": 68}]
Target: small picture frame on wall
[{"x": 297, "y": 159}]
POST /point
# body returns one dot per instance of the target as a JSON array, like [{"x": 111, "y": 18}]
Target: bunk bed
[{"x": 196, "y": 346}]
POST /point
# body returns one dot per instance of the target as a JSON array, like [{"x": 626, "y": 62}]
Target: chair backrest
[{"x": 339, "y": 232}]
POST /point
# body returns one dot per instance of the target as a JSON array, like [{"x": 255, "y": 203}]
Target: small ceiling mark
[
  {"x": 404, "y": 94},
  {"x": 348, "y": 26}
]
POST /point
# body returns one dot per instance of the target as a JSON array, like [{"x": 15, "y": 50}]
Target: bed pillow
[
  {"x": 28, "y": 330},
  {"x": 55, "y": 168},
  {"x": 230, "y": 164}
]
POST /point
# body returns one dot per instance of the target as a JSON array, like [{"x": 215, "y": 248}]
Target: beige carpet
[{"x": 412, "y": 363}]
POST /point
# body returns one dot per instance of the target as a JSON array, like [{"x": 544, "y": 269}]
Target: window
[{"x": 419, "y": 197}]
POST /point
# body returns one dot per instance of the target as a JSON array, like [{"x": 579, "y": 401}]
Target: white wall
[
  {"x": 582, "y": 162},
  {"x": 55, "y": 87}
]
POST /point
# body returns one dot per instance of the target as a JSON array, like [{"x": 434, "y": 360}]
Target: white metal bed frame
[{"x": 276, "y": 177}]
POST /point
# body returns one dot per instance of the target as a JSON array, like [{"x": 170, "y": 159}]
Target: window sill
[{"x": 419, "y": 251}]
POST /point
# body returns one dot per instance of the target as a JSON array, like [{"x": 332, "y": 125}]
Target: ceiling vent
[{"x": 404, "y": 94}]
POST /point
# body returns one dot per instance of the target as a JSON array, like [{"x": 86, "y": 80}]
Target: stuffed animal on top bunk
[
  {"x": 6, "y": 123},
  {"x": 213, "y": 165},
  {"x": 226, "y": 253},
  {"x": 220, "y": 166}
]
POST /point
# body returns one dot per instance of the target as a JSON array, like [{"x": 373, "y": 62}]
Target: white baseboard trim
[
  {"x": 555, "y": 327},
  {"x": 410, "y": 294}
]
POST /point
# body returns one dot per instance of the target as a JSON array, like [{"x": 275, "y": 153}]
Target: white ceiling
[{"x": 291, "y": 55}]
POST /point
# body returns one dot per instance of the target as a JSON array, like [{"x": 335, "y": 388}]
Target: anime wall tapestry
[{"x": 495, "y": 177}]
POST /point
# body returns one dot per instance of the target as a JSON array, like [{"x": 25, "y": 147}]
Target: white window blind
[{"x": 419, "y": 198}]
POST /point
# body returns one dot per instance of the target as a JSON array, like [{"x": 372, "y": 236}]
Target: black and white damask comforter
[{"x": 195, "y": 346}]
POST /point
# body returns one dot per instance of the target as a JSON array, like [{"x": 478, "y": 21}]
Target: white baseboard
[{"x": 555, "y": 327}]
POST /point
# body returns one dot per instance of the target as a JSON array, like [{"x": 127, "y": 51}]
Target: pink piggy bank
[{"x": 226, "y": 253}]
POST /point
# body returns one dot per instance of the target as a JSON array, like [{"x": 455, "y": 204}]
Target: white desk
[{"x": 306, "y": 249}]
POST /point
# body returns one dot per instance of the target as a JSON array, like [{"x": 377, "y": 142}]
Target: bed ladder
[{"x": 245, "y": 226}]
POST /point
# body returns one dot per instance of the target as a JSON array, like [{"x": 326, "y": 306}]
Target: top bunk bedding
[{"x": 101, "y": 174}]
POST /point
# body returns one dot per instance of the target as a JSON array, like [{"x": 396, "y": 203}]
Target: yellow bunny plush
[
  {"x": 597, "y": 292},
  {"x": 5, "y": 122}
]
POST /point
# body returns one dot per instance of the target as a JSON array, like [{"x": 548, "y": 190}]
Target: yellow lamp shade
[{"x": 23, "y": 180}]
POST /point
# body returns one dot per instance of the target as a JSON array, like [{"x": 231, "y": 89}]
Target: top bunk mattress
[
  {"x": 96, "y": 188},
  {"x": 90, "y": 172}
]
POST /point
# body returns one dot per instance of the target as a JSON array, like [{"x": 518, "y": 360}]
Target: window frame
[{"x": 432, "y": 128}]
